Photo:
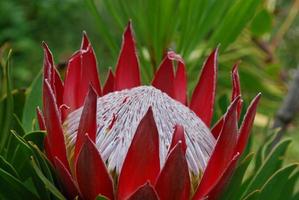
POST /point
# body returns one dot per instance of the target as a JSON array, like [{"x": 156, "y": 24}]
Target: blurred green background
[{"x": 262, "y": 34}]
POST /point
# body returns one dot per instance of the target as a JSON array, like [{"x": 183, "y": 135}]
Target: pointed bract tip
[
  {"x": 178, "y": 137},
  {"x": 128, "y": 29},
  {"x": 256, "y": 99},
  {"x": 215, "y": 53},
  {"x": 235, "y": 67},
  {"x": 91, "y": 90},
  {"x": 46, "y": 49},
  {"x": 44, "y": 44},
  {"x": 85, "y": 41},
  {"x": 172, "y": 55}
]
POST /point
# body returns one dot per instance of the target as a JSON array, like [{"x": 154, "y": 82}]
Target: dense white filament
[{"x": 127, "y": 108}]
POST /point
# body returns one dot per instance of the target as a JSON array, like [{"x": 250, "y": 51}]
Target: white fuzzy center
[{"x": 127, "y": 108}]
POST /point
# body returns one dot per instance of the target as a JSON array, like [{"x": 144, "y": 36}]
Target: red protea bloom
[{"x": 127, "y": 141}]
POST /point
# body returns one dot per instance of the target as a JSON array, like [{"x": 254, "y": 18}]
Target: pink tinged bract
[
  {"x": 178, "y": 136},
  {"x": 144, "y": 192},
  {"x": 174, "y": 84},
  {"x": 223, "y": 152},
  {"x": 85, "y": 41},
  {"x": 52, "y": 75},
  {"x": 55, "y": 138},
  {"x": 247, "y": 124},
  {"x": 91, "y": 173},
  {"x": 164, "y": 77},
  {"x": 236, "y": 91},
  {"x": 127, "y": 70},
  {"x": 88, "y": 120},
  {"x": 180, "y": 83},
  {"x": 174, "y": 181},
  {"x": 81, "y": 72},
  {"x": 109, "y": 84},
  {"x": 67, "y": 181},
  {"x": 142, "y": 161},
  {"x": 203, "y": 98},
  {"x": 40, "y": 119},
  {"x": 223, "y": 179}
]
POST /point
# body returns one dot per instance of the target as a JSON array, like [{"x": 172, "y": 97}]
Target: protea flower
[{"x": 127, "y": 141}]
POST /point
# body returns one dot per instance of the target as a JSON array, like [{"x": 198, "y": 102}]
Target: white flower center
[{"x": 126, "y": 108}]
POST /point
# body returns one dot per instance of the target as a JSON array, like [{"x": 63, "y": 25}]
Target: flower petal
[
  {"x": 223, "y": 179},
  {"x": 174, "y": 181},
  {"x": 92, "y": 176},
  {"x": 145, "y": 192},
  {"x": 164, "y": 77},
  {"x": 216, "y": 130},
  {"x": 223, "y": 151},
  {"x": 88, "y": 120},
  {"x": 142, "y": 162},
  {"x": 127, "y": 73},
  {"x": 40, "y": 119},
  {"x": 85, "y": 41},
  {"x": 48, "y": 63},
  {"x": 236, "y": 91},
  {"x": 51, "y": 74},
  {"x": 203, "y": 98},
  {"x": 178, "y": 136},
  {"x": 82, "y": 71},
  {"x": 58, "y": 88},
  {"x": 67, "y": 181},
  {"x": 247, "y": 124},
  {"x": 180, "y": 83},
  {"x": 55, "y": 137},
  {"x": 109, "y": 84}
]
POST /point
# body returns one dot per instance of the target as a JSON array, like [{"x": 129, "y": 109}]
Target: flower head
[{"x": 148, "y": 139}]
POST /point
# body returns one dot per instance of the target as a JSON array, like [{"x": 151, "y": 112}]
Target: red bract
[{"x": 82, "y": 168}]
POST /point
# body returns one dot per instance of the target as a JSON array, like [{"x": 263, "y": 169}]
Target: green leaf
[
  {"x": 12, "y": 188},
  {"x": 296, "y": 196},
  {"x": 101, "y": 197},
  {"x": 223, "y": 103},
  {"x": 21, "y": 156},
  {"x": 37, "y": 137},
  {"x": 289, "y": 187},
  {"x": 6, "y": 166},
  {"x": 234, "y": 22},
  {"x": 6, "y": 107},
  {"x": 19, "y": 101},
  {"x": 102, "y": 27},
  {"x": 43, "y": 162},
  {"x": 274, "y": 186},
  {"x": 33, "y": 100},
  {"x": 234, "y": 191},
  {"x": 271, "y": 164},
  {"x": 262, "y": 23},
  {"x": 46, "y": 181},
  {"x": 253, "y": 195},
  {"x": 264, "y": 150}
]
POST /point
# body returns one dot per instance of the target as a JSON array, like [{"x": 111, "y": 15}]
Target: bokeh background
[{"x": 260, "y": 34}]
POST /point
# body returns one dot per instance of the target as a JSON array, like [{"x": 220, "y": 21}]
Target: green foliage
[
  {"x": 33, "y": 100},
  {"x": 24, "y": 169},
  {"x": 24, "y": 24},
  {"x": 268, "y": 179},
  {"x": 200, "y": 26},
  {"x": 262, "y": 23}
]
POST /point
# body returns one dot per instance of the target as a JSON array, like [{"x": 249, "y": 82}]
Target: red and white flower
[{"x": 128, "y": 141}]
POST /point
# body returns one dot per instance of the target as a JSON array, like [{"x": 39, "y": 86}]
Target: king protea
[{"x": 127, "y": 141}]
